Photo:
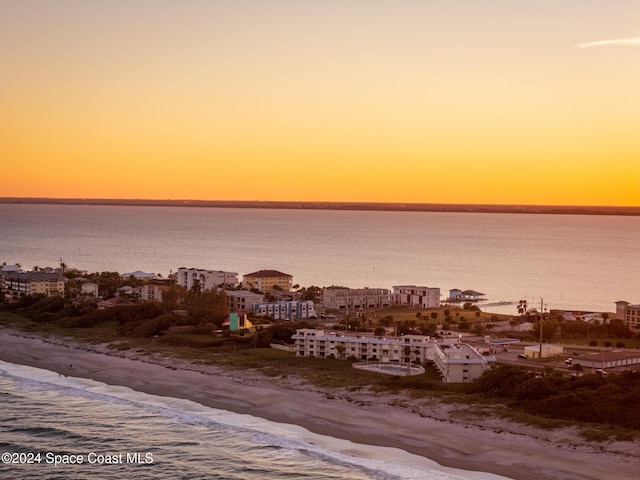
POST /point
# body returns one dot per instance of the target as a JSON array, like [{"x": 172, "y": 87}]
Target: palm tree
[
  {"x": 522, "y": 308},
  {"x": 340, "y": 349}
]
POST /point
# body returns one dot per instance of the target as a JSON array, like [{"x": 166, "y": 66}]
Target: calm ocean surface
[
  {"x": 49, "y": 414},
  {"x": 572, "y": 261}
]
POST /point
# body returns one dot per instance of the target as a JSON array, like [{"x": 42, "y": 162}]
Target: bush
[
  {"x": 150, "y": 327},
  {"x": 593, "y": 343},
  {"x": 592, "y": 398}
]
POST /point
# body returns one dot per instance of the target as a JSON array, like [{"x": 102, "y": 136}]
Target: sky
[{"x": 412, "y": 101}]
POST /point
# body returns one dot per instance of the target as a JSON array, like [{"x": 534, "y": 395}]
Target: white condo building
[
  {"x": 207, "y": 279},
  {"x": 456, "y": 362},
  {"x": 415, "y": 296}
]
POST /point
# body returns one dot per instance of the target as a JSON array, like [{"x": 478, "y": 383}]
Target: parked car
[
  {"x": 569, "y": 361},
  {"x": 523, "y": 356},
  {"x": 600, "y": 371}
]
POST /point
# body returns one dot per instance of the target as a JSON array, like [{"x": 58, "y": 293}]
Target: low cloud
[{"x": 621, "y": 41}]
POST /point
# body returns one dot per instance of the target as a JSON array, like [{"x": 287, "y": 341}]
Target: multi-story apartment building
[
  {"x": 242, "y": 300},
  {"x": 354, "y": 299},
  {"x": 456, "y": 362},
  {"x": 459, "y": 362},
  {"x": 152, "y": 292},
  {"x": 89, "y": 288},
  {"x": 629, "y": 314},
  {"x": 265, "y": 280},
  {"x": 293, "y": 310},
  {"x": 16, "y": 285},
  {"x": 414, "y": 296},
  {"x": 206, "y": 279}
]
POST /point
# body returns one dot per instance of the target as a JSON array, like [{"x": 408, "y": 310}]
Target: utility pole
[{"x": 541, "y": 323}]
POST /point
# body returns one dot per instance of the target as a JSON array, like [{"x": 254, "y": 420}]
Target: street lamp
[{"x": 542, "y": 312}]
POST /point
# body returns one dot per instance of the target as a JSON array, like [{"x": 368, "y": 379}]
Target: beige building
[
  {"x": 415, "y": 296},
  {"x": 629, "y": 314},
  {"x": 16, "y": 285},
  {"x": 89, "y": 288},
  {"x": 152, "y": 292},
  {"x": 242, "y": 300},
  {"x": 265, "y": 280},
  {"x": 354, "y": 299}
]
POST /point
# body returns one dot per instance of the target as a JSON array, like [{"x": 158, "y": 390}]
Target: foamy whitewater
[{"x": 119, "y": 433}]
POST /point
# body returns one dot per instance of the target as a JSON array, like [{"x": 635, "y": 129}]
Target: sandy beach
[{"x": 421, "y": 427}]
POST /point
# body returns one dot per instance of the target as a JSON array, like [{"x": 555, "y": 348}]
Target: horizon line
[{"x": 338, "y": 205}]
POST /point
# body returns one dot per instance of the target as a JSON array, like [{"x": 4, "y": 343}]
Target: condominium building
[
  {"x": 293, "y": 310},
  {"x": 629, "y": 314},
  {"x": 342, "y": 298},
  {"x": 152, "y": 292},
  {"x": 416, "y": 297},
  {"x": 89, "y": 288},
  {"x": 205, "y": 279},
  {"x": 456, "y": 362},
  {"x": 242, "y": 300},
  {"x": 16, "y": 285},
  {"x": 459, "y": 362},
  {"x": 265, "y": 280}
]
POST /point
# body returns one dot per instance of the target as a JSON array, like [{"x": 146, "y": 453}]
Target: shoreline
[
  {"x": 339, "y": 206},
  {"x": 419, "y": 426}
]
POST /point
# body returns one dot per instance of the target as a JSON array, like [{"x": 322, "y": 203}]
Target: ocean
[
  {"x": 579, "y": 262},
  {"x": 57, "y": 427}
]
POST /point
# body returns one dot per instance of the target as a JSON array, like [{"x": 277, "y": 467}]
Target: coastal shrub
[
  {"x": 150, "y": 327},
  {"x": 191, "y": 340},
  {"x": 284, "y": 331},
  {"x": 23, "y": 301},
  {"x": 608, "y": 400},
  {"x": 144, "y": 311},
  {"x": 41, "y": 309},
  {"x": 502, "y": 381}
]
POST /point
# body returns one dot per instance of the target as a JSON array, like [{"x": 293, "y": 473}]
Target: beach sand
[{"x": 422, "y": 427}]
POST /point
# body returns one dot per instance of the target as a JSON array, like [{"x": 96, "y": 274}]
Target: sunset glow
[{"x": 529, "y": 102}]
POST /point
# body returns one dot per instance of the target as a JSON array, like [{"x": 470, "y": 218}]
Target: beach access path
[{"x": 420, "y": 426}]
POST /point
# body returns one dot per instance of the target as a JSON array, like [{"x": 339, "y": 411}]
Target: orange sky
[{"x": 353, "y": 100}]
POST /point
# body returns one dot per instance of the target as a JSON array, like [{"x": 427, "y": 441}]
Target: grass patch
[
  {"x": 606, "y": 433},
  {"x": 524, "y": 418}
]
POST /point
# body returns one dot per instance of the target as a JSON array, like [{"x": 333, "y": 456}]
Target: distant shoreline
[{"x": 343, "y": 206}]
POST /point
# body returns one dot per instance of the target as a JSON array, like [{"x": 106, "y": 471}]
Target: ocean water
[
  {"x": 48, "y": 421},
  {"x": 571, "y": 261}
]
